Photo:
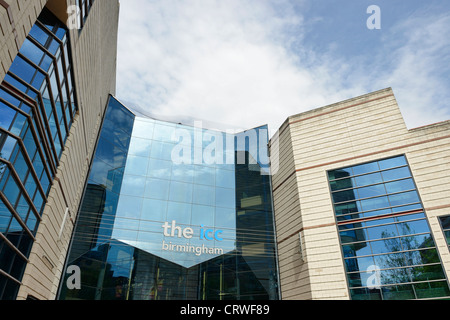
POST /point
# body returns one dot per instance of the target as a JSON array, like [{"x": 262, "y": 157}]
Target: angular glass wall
[
  {"x": 37, "y": 106},
  {"x": 389, "y": 251},
  {"x": 190, "y": 219}
]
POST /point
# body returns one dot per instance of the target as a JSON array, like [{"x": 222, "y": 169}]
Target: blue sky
[{"x": 245, "y": 63}]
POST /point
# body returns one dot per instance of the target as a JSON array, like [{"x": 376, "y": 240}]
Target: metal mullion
[
  {"x": 22, "y": 188},
  {"x": 373, "y": 197},
  {"x": 48, "y": 147},
  {"x": 7, "y": 275},
  {"x": 12, "y": 246},
  {"x": 367, "y": 173},
  {"x": 49, "y": 87},
  {"x": 370, "y": 185},
  {"x": 388, "y": 238},
  {"x": 63, "y": 57},
  {"x": 43, "y": 127},
  {"x": 61, "y": 102},
  {"x": 29, "y": 162},
  {"x": 16, "y": 215}
]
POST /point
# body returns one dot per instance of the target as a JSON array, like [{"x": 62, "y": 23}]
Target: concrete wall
[
  {"x": 358, "y": 130},
  {"x": 94, "y": 51}
]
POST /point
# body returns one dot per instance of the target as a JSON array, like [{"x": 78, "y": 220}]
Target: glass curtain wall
[
  {"x": 37, "y": 108},
  {"x": 388, "y": 249},
  {"x": 170, "y": 214}
]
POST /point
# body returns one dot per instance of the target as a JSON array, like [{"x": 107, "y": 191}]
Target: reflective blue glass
[
  {"x": 395, "y": 174},
  {"x": 179, "y": 221},
  {"x": 140, "y": 147},
  {"x": 157, "y": 188},
  {"x": 378, "y": 196},
  {"x": 180, "y": 191},
  {"x": 392, "y": 162},
  {"x": 203, "y": 195},
  {"x": 136, "y": 165}
]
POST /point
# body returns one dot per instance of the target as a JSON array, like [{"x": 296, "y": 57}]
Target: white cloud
[
  {"x": 224, "y": 61},
  {"x": 231, "y": 62},
  {"x": 418, "y": 68}
]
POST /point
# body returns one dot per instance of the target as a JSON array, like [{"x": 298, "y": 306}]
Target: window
[
  {"x": 37, "y": 93},
  {"x": 382, "y": 226}
]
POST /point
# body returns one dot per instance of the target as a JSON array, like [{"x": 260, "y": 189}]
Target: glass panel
[
  {"x": 225, "y": 198},
  {"x": 404, "y": 198},
  {"x": 365, "y": 294},
  {"x": 180, "y": 191},
  {"x": 342, "y": 184},
  {"x": 340, "y": 173},
  {"x": 157, "y": 189},
  {"x": 140, "y": 147},
  {"x": 225, "y": 178},
  {"x": 392, "y": 162},
  {"x": 346, "y": 195},
  {"x": 159, "y": 169},
  {"x": 432, "y": 289},
  {"x": 353, "y": 235},
  {"x": 203, "y": 195},
  {"x": 179, "y": 212},
  {"x": 204, "y": 175},
  {"x": 162, "y": 150},
  {"x": 136, "y": 165},
  {"x": 402, "y": 292},
  {"x": 382, "y": 232},
  {"x": 367, "y": 179},
  {"x": 445, "y": 222},
  {"x": 357, "y": 249},
  {"x": 129, "y": 207},
  {"x": 133, "y": 185},
  {"x": 386, "y": 245},
  {"x": 348, "y": 207},
  {"x": 143, "y": 129},
  {"x": 365, "y": 168},
  {"x": 396, "y": 174},
  {"x": 398, "y": 186},
  {"x": 111, "y": 154},
  {"x": 374, "y": 203},
  {"x": 372, "y": 191},
  {"x": 358, "y": 264},
  {"x": 412, "y": 227}
]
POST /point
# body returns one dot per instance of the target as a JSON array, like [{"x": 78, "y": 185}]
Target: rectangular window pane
[
  {"x": 392, "y": 162},
  {"x": 342, "y": 184}
]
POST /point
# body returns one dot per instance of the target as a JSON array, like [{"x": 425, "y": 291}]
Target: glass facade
[
  {"x": 388, "y": 249},
  {"x": 37, "y": 106},
  {"x": 174, "y": 212}
]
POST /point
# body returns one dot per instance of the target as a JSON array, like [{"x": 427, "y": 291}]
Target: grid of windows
[
  {"x": 37, "y": 107},
  {"x": 389, "y": 252}
]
